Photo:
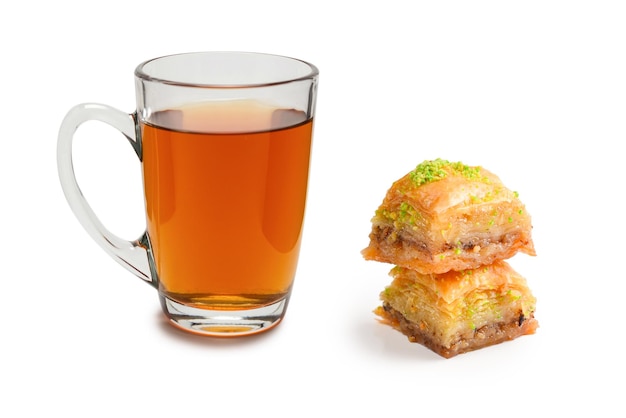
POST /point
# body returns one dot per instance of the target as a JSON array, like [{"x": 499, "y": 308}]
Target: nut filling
[{"x": 485, "y": 336}]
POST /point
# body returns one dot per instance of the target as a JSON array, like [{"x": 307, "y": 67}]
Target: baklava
[
  {"x": 446, "y": 216},
  {"x": 459, "y": 311}
]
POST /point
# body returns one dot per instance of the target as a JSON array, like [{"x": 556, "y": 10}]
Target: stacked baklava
[{"x": 448, "y": 229}]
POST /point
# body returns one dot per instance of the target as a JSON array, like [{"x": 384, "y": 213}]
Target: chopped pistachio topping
[
  {"x": 433, "y": 170},
  {"x": 405, "y": 214}
]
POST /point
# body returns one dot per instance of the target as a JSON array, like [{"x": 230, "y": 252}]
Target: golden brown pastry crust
[
  {"x": 448, "y": 216},
  {"x": 459, "y": 311}
]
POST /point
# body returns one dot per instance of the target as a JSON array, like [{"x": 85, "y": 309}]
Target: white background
[{"x": 535, "y": 91}]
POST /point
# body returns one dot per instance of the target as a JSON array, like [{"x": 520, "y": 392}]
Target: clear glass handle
[{"x": 133, "y": 255}]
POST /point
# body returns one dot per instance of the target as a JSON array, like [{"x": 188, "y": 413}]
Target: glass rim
[{"x": 141, "y": 73}]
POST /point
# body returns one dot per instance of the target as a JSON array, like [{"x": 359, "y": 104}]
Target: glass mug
[{"x": 224, "y": 141}]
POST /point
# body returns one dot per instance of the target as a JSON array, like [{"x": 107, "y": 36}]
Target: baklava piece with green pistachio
[
  {"x": 446, "y": 216},
  {"x": 459, "y": 311}
]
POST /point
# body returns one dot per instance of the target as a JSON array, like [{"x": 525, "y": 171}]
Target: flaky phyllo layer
[
  {"x": 448, "y": 216},
  {"x": 451, "y": 307}
]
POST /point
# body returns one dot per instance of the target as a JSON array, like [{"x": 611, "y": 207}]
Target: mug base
[{"x": 220, "y": 323}]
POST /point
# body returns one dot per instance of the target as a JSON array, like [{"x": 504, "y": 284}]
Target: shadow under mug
[{"x": 224, "y": 141}]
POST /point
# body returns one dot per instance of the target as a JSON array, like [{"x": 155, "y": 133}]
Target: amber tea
[{"x": 225, "y": 189}]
